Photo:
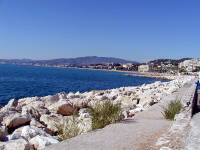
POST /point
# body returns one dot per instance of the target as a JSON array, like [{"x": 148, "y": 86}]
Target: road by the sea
[{"x": 27, "y": 81}]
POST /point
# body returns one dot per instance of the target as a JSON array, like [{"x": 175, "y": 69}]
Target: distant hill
[
  {"x": 70, "y": 61},
  {"x": 16, "y": 60},
  {"x": 168, "y": 61}
]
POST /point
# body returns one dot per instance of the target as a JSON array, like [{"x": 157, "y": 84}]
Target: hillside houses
[{"x": 192, "y": 65}]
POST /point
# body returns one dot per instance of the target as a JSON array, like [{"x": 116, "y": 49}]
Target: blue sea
[{"x": 17, "y": 81}]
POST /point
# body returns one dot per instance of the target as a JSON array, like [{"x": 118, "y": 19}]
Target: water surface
[{"x": 26, "y": 81}]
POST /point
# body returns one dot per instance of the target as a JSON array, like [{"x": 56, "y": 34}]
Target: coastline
[
  {"x": 102, "y": 70},
  {"x": 160, "y": 76},
  {"x": 39, "y": 114},
  {"x": 150, "y": 75}
]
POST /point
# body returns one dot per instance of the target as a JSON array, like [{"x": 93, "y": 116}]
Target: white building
[
  {"x": 143, "y": 68},
  {"x": 128, "y": 65}
]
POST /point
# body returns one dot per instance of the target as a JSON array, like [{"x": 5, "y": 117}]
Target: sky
[{"x": 140, "y": 30}]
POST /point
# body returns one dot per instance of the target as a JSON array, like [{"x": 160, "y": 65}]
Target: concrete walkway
[
  {"x": 127, "y": 135},
  {"x": 193, "y": 136},
  {"x": 140, "y": 133}
]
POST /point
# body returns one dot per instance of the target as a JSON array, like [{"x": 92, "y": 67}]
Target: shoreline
[
  {"x": 40, "y": 114},
  {"x": 150, "y": 75},
  {"x": 103, "y": 70},
  {"x": 155, "y": 75}
]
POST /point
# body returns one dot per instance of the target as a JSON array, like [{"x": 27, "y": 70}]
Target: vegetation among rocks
[
  {"x": 69, "y": 129},
  {"x": 101, "y": 115},
  {"x": 105, "y": 114},
  {"x": 173, "y": 108}
]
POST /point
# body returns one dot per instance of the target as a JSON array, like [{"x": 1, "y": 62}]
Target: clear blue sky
[{"x": 132, "y": 29}]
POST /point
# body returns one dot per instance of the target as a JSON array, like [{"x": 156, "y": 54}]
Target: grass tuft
[
  {"x": 105, "y": 114},
  {"x": 69, "y": 129},
  {"x": 173, "y": 108}
]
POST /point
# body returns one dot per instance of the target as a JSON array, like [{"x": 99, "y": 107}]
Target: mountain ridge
[{"x": 78, "y": 61}]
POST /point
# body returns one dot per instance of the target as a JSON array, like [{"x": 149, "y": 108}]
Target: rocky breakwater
[
  {"x": 30, "y": 123},
  {"x": 162, "y": 76}
]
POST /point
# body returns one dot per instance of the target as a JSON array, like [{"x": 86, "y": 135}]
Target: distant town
[{"x": 184, "y": 66}]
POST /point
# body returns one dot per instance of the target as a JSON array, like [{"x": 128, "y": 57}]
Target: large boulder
[
  {"x": 49, "y": 100},
  {"x": 29, "y": 101},
  {"x": 16, "y": 120},
  {"x": 30, "y": 110},
  {"x": 66, "y": 109},
  {"x": 29, "y": 132},
  {"x": 62, "y": 107},
  {"x": 19, "y": 144},
  {"x": 35, "y": 108},
  {"x": 40, "y": 142},
  {"x": 11, "y": 106},
  {"x": 51, "y": 121}
]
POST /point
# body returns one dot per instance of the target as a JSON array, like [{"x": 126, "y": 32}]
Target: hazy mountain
[
  {"x": 16, "y": 60},
  {"x": 71, "y": 61}
]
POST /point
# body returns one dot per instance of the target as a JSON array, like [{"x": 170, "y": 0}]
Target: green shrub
[
  {"x": 173, "y": 108},
  {"x": 105, "y": 114},
  {"x": 69, "y": 129}
]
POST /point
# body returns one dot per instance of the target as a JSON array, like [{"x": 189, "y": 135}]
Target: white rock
[
  {"x": 27, "y": 132},
  {"x": 19, "y": 144},
  {"x": 62, "y": 95},
  {"x": 70, "y": 95},
  {"x": 29, "y": 100},
  {"x": 15, "y": 135},
  {"x": 127, "y": 102},
  {"x": 30, "y": 132},
  {"x": 40, "y": 142}
]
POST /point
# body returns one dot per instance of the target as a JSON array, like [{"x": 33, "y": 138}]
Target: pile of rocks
[{"x": 30, "y": 123}]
